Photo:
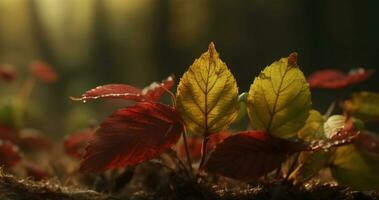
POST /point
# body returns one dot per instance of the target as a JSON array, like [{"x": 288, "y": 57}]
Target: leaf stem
[
  {"x": 292, "y": 167},
  {"x": 330, "y": 110},
  {"x": 172, "y": 95},
  {"x": 189, "y": 161},
  {"x": 203, "y": 152}
]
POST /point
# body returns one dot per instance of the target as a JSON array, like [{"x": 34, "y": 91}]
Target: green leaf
[
  {"x": 313, "y": 128},
  {"x": 207, "y": 95},
  {"x": 363, "y": 105},
  {"x": 279, "y": 100},
  {"x": 356, "y": 168}
]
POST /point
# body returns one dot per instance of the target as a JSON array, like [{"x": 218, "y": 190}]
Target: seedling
[{"x": 286, "y": 134}]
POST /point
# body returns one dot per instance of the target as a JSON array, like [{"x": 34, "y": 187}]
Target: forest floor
[{"x": 12, "y": 188}]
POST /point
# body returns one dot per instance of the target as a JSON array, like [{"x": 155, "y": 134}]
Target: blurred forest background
[{"x": 94, "y": 42}]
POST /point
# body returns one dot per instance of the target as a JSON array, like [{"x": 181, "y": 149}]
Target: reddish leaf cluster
[{"x": 335, "y": 79}]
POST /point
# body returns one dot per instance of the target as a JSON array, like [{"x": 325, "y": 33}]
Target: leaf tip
[
  {"x": 212, "y": 49},
  {"x": 292, "y": 59}
]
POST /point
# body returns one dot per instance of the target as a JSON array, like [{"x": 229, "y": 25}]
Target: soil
[{"x": 12, "y": 188}]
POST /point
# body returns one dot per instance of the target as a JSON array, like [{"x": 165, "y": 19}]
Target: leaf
[
  {"x": 75, "y": 144},
  {"x": 8, "y": 73},
  {"x": 335, "y": 79},
  {"x": 9, "y": 154},
  {"x": 310, "y": 163},
  {"x": 35, "y": 172},
  {"x": 356, "y": 168},
  {"x": 363, "y": 105},
  {"x": 33, "y": 139},
  {"x": 279, "y": 100},
  {"x": 368, "y": 142},
  {"x": 155, "y": 91},
  {"x": 342, "y": 137},
  {"x": 333, "y": 125},
  {"x": 249, "y": 155},
  {"x": 207, "y": 95},
  {"x": 122, "y": 91},
  {"x": 313, "y": 128},
  {"x": 43, "y": 71},
  {"x": 7, "y": 133},
  {"x": 132, "y": 135}
]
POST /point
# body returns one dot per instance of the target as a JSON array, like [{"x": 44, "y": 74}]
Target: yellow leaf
[
  {"x": 279, "y": 100},
  {"x": 207, "y": 95},
  {"x": 364, "y": 105}
]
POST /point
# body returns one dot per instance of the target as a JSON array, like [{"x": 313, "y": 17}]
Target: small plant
[
  {"x": 288, "y": 140},
  {"x": 15, "y": 138}
]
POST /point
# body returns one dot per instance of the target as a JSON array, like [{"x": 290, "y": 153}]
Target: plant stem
[
  {"x": 22, "y": 99},
  {"x": 189, "y": 161},
  {"x": 292, "y": 167},
  {"x": 330, "y": 109},
  {"x": 203, "y": 152}
]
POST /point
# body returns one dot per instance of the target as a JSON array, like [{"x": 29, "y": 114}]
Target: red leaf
[
  {"x": 368, "y": 142},
  {"x": 8, "y": 73},
  {"x": 132, "y": 135},
  {"x": 33, "y": 139},
  {"x": 35, "y": 172},
  {"x": 249, "y": 155},
  {"x": 335, "y": 79},
  {"x": 122, "y": 91},
  {"x": 7, "y": 133},
  {"x": 155, "y": 91},
  {"x": 43, "y": 71},
  {"x": 75, "y": 144},
  {"x": 9, "y": 154}
]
